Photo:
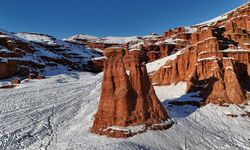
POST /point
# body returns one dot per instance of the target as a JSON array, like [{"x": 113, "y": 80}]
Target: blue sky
[{"x": 63, "y": 18}]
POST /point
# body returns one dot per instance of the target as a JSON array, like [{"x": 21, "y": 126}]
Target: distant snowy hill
[{"x": 105, "y": 40}]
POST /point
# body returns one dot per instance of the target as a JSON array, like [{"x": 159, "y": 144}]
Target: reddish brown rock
[
  {"x": 127, "y": 97},
  {"x": 202, "y": 34},
  {"x": 23, "y": 71},
  {"x": 32, "y": 76},
  {"x": 216, "y": 62},
  {"x": 16, "y": 81},
  {"x": 173, "y": 32},
  {"x": 9, "y": 86},
  {"x": 7, "y": 69},
  {"x": 40, "y": 77},
  {"x": 176, "y": 70},
  {"x": 166, "y": 49},
  {"x": 102, "y": 45},
  {"x": 217, "y": 80},
  {"x": 97, "y": 64},
  {"x": 234, "y": 91}
]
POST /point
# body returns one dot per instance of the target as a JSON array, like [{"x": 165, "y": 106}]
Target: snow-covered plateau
[{"x": 56, "y": 114}]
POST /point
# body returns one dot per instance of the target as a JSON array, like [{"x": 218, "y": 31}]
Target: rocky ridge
[
  {"x": 216, "y": 60},
  {"x": 24, "y": 53}
]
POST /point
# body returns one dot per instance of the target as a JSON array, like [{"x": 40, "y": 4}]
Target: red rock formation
[
  {"x": 40, "y": 77},
  {"x": 173, "y": 32},
  {"x": 16, "y": 81},
  {"x": 202, "y": 34},
  {"x": 221, "y": 76},
  {"x": 97, "y": 64},
  {"x": 127, "y": 98},
  {"x": 176, "y": 70},
  {"x": 19, "y": 51},
  {"x": 234, "y": 91},
  {"x": 225, "y": 75},
  {"x": 216, "y": 62},
  {"x": 102, "y": 45},
  {"x": 23, "y": 71},
  {"x": 32, "y": 76},
  {"x": 217, "y": 80},
  {"x": 7, "y": 69}
]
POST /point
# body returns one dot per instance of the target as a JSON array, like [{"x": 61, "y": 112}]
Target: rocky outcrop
[
  {"x": 16, "y": 81},
  {"x": 221, "y": 77},
  {"x": 176, "y": 70},
  {"x": 97, "y": 64},
  {"x": 127, "y": 97},
  {"x": 215, "y": 62},
  {"x": 218, "y": 81}
]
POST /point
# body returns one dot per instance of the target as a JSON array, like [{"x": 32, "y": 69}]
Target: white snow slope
[
  {"x": 156, "y": 65},
  {"x": 106, "y": 40},
  {"x": 56, "y": 114}
]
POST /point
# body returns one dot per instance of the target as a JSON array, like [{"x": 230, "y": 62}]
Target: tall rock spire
[{"x": 128, "y": 98}]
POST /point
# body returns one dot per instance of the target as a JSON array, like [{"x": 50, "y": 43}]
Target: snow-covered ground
[
  {"x": 156, "y": 65},
  {"x": 56, "y": 114}
]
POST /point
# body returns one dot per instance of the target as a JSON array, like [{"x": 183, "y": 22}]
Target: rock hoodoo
[{"x": 128, "y": 99}]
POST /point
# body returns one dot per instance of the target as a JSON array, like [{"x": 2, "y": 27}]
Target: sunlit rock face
[
  {"x": 216, "y": 60},
  {"x": 127, "y": 98}
]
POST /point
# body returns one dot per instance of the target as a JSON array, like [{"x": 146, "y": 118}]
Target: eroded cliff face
[
  {"x": 217, "y": 79},
  {"x": 216, "y": 60},
  {"x": 127, "y": 98}
]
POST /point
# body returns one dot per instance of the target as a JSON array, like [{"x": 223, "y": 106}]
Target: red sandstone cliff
[{"x": 216, "y": 60}]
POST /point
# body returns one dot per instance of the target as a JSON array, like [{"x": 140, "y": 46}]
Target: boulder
[
  {"x": 16, "y": 81},
  {"x": 40, "y": 77},
  {"x": 32, "y": 76}
]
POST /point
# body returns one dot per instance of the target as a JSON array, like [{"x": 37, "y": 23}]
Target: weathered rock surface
[
  {"x": 127, "y": 98},
  {"x": 97, "y": 64},
  {"x": 216, "y": 60},
  {"x": 7, "y": 69},
  {"x": 16, "y": 81}
]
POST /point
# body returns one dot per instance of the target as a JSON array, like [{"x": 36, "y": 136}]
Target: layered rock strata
[
  {"x": 216, "y": 61},
  {"x": 127, "y": 98}
]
